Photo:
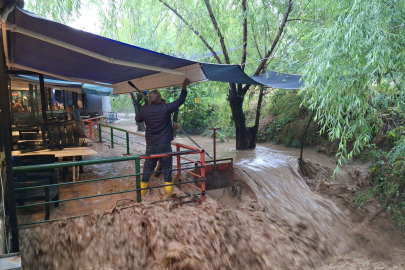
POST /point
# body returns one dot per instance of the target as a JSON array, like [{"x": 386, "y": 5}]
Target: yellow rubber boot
[
  {"x": 144, "y": 185},
  {"x": 169, "y": 188}
]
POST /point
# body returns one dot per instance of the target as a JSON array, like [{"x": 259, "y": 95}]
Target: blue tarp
[
  {"x": 35, "y": 54},
  {"x": 280, "y": 80},
  {"x": 96, "y": 90},
  {"x": 55, "y": 83}
]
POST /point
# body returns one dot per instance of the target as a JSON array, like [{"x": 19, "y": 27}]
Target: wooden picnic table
[{"x": 66, "y": 152}]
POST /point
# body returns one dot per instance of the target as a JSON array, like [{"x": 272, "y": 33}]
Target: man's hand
[
  {"x": 185, "y": 84},
  {"x": 176, "y": 127}
]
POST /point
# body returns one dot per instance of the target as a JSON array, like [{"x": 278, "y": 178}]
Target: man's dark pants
[{"x": 166, "y": 162}]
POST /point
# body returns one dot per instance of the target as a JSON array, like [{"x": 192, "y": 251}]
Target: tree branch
[
  {"x": 273, "y": 45},
  {"x": 243, "y": 60},
  {"x": 304, "y": 20},
  {"x": 159, "y": 23},
  {"x": 259, "y": 107},
  {"x": 220, "y": 36},
  {"x": 193, "y": 30},
  {"x": 275, "y": 42},
  {"x": 255, "y": 40}
]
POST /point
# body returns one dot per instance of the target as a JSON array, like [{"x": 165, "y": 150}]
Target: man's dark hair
[{"x": 155, "y": 96}]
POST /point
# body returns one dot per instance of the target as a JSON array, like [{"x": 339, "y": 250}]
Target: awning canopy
[{"x": 57, "y": 50}]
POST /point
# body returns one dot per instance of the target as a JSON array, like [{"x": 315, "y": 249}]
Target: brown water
[{"x": 274, "y": 222}]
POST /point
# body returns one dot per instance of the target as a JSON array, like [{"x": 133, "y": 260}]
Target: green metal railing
[
  {"x": 81, "y": 163},
  {"x": 115, "y": 139},
  {"x": 190, "y": 150}
]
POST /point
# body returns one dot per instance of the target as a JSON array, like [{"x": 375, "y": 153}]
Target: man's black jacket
[{"x": 157, "y": 119}]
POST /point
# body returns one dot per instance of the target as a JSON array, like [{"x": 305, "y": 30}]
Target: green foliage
[
  {"x": 388, "y": 172},
  {"x": 61, "y": 11},
  {"x": 289, "y": 120},
  {"x": 122, "y": 104},
  {"x": 193, "y": 117},
  {"x": 296, "y": 144},
  {"x": 212, "y": 110},
  {"x": 363, "y": 41}
]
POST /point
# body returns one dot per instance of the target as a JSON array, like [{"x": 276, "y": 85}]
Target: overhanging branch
[
  {"x": 197, "y": 33},
  {"x": 244, "y": 39},
  {"x": 273, "y": 45},
  {"x": 220, "y": 36}
]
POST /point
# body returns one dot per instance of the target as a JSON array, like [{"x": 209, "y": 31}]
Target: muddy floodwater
[{"x": 272, "y": 218}]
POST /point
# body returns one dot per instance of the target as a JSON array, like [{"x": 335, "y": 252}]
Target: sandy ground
[{"x": 272, "y": 218}]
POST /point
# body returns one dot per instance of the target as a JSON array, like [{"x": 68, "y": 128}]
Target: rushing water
[
  {"x": 271, "y": 172},
  {"x": 292, "y": 228}
]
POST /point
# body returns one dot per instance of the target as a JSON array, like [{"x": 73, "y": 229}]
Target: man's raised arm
[{"x": 180, "y": 101}]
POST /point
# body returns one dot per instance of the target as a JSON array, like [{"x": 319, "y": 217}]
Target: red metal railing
[
  {"x": 201, "y": 163},
  {"x": 179, "y": 155},
  {"x": 91, "y": 122}
]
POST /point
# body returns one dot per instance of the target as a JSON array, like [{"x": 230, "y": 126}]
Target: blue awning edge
[{"x": 67, "y": 85}]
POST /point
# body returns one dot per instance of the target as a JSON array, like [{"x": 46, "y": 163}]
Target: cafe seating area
[{"x": 37, "y": 142}]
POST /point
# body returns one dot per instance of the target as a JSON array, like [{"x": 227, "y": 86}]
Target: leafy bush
[
  {"x": 122, "y": 104},
  {"x": 290, "y": 120},
  {"x": 388, "y": 153},
  {"x": 193, "y": 117}
]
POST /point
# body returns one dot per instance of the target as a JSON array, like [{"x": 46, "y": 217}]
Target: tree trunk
[
  {"x": 137, "y": 106},
  {"x": 252, "y": 131},
  {"x": 141, "y": 126},
  {"x": 238, "y": 116}
]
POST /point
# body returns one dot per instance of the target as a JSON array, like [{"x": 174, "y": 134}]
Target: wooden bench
[{"x": 63, "y": 134}]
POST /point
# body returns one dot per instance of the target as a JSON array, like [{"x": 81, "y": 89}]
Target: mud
[
  {"x": 272, "y": 218},
  {"x": 161, "y": 237}
]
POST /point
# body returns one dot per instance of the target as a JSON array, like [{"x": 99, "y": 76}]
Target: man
[
  {"x": 159, "y": 134},
  {"x": 75, "y": 115}
]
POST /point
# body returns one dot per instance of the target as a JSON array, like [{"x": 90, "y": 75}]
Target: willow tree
[
  {"x": 248, "y": 33},
  {"x": 364, "y": 43},
  {"x": 355, "y": 53}
]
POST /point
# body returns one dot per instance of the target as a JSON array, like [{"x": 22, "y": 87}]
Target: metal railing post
[
  {"x": 215, "y": 145},
  {"x": 202, "y": 170},
  {"x": 127, "y": 138},
  {"x": 178, "y": 161},
  {"x": 97, "y": 122},
  {"x": 99, "y": 133},
  {"x": 138, "y": 179},
  {"x": 112, "y": 137}
]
